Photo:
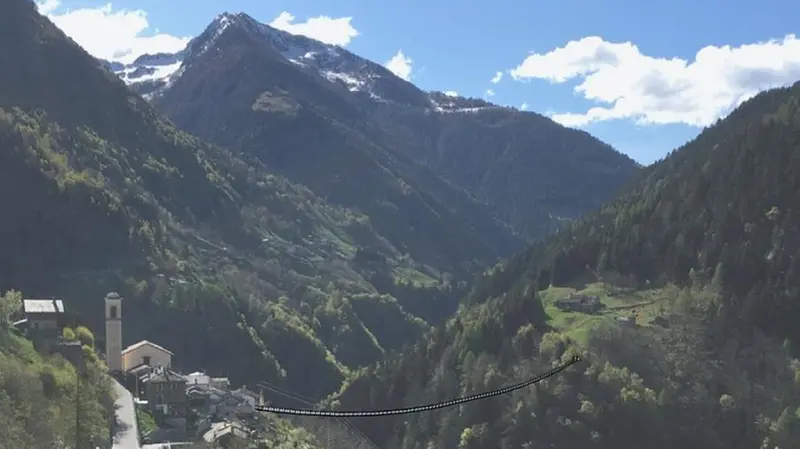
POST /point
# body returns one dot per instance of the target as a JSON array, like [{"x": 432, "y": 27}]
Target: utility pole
[
  {"x": 80, "y": 369},
  {"x": 77, "y": 408}
]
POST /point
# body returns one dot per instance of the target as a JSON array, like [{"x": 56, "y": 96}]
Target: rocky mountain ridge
[{"x": 257, "y": 64}]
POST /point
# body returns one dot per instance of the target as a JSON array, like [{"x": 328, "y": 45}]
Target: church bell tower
[{"x": 114, "y": 332}]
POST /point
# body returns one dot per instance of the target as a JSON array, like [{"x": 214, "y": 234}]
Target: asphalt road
[{"x": 126, "y": 436}]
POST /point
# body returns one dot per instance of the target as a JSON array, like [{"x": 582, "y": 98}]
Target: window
[
  {"x": 113, "y": 312},
  {"x": 146, "y": 360}
]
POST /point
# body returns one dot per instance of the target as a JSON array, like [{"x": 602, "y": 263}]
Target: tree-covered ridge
[
  {"x": 303, "y": 250},
  {"x": 648, "y": 387},
  {"x": 39, "y": 397},
  {"x": 712, "y": 228},
  {"x": 104, "y": 194},
  {"x": 724, "y": 204}
]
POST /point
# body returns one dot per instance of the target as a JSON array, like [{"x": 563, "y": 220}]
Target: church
[{"x": 131, "y": 359}]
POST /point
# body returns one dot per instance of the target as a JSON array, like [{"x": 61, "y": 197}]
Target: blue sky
[{"x": 636, "y": 63}]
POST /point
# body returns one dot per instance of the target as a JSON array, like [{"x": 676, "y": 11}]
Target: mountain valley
[
  {"x": 276, "y": 209},
  {"x": 314, "y": 246}
]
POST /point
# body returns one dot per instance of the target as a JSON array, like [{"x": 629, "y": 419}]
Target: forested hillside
[
  {"x": 701, "y": 254},
  {"x": 104, "y": 194},
  {"x": 39, "y": 394},
  {"x": 724, "y": 205}
]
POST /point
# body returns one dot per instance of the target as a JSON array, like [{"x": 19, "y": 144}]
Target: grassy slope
[
  {"x": 37, "y": 398},
  {"x": 645, "y": 305}
]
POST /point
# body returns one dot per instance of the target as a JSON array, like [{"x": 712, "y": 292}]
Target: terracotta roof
[{"x": 143, "y": 343}]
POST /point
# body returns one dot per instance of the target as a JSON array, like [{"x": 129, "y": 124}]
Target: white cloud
[
  {"x": 124, "y": 34},
  {"x": 523, "y": 107},
  {"x": 400, "y": 65},
  {"x": 652, "y": 90},
  {"x": 117, "y": 35},
  {"x": 451, "y": 93},
  {"x": 334, "y": 31},
  {"x": 489, "y": 93},
  {"x": 497, "y": 77},
  {"x": 47, "y": 6}
]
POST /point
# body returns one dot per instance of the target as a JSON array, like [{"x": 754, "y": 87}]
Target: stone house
[
  {"x": 203, "y": 379},
  {"x": 580, "y": 303},
  {"x": 237, "y": 404},
  {"x": 44, "y": 319},
  {"x": 221, "y": 434},
  {"x": 43, "y": 314},
  {"x": 165, "y": 391},
  {"x": 627, "y": 321},
  {"x": 208, "y": 404}
]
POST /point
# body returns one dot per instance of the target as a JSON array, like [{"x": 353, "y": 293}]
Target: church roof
[{"x": 146, "y": 343}]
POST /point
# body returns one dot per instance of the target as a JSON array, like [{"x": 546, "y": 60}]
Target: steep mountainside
[
  {"x": 702, "y": 252},
  {"x": 38, "y": 396},
  {"x": 318, "y": 114},
  {"x": 300, "y": 126},
  {"x": 725, "y": 204},
  {"x": 527, "y": 168},
  {"x": 237, "y": 271}
]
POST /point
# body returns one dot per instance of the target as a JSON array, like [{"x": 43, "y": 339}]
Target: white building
[
  {"x": 114, "y": 332},
  {"x": 146, "y": 353},
  {"x": 198, "y": 378}
]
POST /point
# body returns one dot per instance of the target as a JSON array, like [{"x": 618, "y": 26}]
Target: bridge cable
[
  {"x": 308, "y": 401},
  {"x": 420, "y": 408}
]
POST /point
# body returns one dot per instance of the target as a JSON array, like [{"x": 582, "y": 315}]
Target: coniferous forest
[{"x": 704, "y": 248}]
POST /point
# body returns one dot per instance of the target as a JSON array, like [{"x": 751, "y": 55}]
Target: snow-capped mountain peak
[{"x": 151, "y": 74}]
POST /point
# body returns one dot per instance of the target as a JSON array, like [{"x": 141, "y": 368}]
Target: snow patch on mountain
[
  {"x": 212, "y": 32},
  {"x": 449, "y": 109},
  {"x": 354, "y": 84},
  {"x": 132, "y": 74},
  {"x": 448, "y": 103},
  {"x": 152, "y": 74}
]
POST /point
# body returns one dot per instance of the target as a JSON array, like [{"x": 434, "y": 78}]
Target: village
[
  {"x": 167, "y": 406},
  {"x": 184, "y": 407}
]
